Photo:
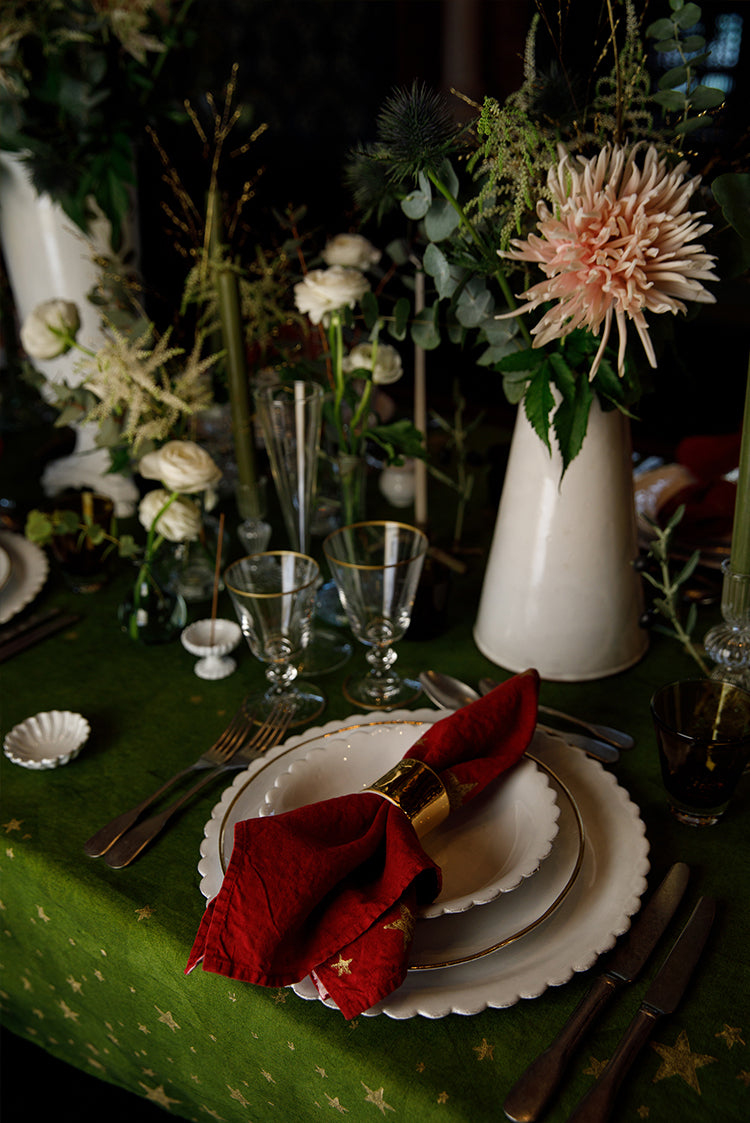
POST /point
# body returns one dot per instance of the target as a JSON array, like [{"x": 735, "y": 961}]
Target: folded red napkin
[{"x": 331, "y": 889}]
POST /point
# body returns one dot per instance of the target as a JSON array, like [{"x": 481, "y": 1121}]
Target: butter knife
[
  {"x": 662, "y": 997},
  {"x": 34, "y": 634},
  {"x": 530, "y": 1094}
]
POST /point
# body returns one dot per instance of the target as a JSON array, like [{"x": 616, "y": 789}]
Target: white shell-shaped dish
[
  {"x": 212, "y": 640},
  {"x": 47, "y": 740},
  {"x": 486, "y": 848}
]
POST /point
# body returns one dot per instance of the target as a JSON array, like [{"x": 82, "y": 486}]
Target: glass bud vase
[
  {"x": 153, "y": 612},
  {"x": 728, "y": 644}
]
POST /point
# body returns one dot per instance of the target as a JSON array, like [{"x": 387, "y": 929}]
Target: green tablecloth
[{"x": 93, "y": 958}]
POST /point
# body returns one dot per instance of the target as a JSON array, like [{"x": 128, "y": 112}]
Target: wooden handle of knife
[
  {"x": 597, "y": 1104},
  {"x": 527, "y": 1098}
]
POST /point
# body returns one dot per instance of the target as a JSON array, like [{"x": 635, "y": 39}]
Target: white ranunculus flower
[
  {"x": 181, "y": 466},
  {"x": 387, "y": 367},
  {"x": 352, "y": 250},
  {"x": 181, "y": 522},
  {"x": 323, "y": 291},
  {"x": 37, "y": 338}
]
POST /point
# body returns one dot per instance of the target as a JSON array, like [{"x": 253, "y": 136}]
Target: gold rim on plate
[{"x": 481, "y": 952}]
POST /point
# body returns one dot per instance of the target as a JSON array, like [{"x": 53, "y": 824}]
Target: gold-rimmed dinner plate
[{"x": 586, "y": 922}]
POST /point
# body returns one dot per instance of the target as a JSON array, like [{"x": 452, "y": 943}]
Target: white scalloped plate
[
  {"x": 508, "y": 829},
  {"x": 6, "y": 567},
  {"x": 29, "y": 569},
  {"x": 595, "y": 911}
]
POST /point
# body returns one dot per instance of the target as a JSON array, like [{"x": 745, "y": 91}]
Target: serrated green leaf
[
  {"x": 677, "y": 76},
  {"x": 706, "y": 97},
  {"x": 527, "y": 360},
  {"x": 539, "y": 403},
  {"x": 564, "y": 377},
  {"x": 571, "y": 419}
]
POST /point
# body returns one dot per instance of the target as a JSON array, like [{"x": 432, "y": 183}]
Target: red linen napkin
[
  {"x": 331, "y": 889},
  {"x": 709, "y": 499}
]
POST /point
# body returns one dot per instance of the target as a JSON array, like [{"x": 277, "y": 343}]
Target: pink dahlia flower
[{"x": 618, "y": 242}]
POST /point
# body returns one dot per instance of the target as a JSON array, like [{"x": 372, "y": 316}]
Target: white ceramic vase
[
  {"x": 49, "y": 257},
  {"x": 560, "y": 590}
]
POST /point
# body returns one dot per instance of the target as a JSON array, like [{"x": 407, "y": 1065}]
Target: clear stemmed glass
[
  {"x": 273, "y": 596},
  {"x": 290, "y": 415},
  {"x": 376, "y": 567}
]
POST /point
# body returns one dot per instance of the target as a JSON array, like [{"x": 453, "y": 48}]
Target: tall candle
[
  {"x": 740, "y": 557},
  {"x": 420, "y": 414}
]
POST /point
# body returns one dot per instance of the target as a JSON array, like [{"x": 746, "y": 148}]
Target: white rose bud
[
  {"x": 38, "y": 334},
  {"x": 387, "y": 367},
  {"x": 351, "y": 250},
  {"x": 323, "y": 291},
  {"x": 181, "y": 522},
  {"x": 181, "y": 466}
]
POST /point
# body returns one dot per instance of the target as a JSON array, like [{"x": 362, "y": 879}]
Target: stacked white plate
[{"x": 542, "y": 872}]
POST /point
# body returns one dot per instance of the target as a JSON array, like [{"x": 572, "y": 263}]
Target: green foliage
[
  {"x": 43, "y": 526},
  {"x": 668, "y": 587},
  {"x": 691, "y": 99}
]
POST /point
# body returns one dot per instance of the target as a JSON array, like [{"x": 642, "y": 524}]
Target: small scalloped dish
[
  {"x": 486, "y": 848},
  {"x": 47, "y": 740}
]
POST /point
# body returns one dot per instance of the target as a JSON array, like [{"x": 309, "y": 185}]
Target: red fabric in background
[
  {"x": 710, "y": 500},
  {"x": 331, "y": 889}
]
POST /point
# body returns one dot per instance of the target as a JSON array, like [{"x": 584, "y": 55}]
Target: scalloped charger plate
[
  {"x": 28, "y": 572},
  {"x": 594, "y": 909}
]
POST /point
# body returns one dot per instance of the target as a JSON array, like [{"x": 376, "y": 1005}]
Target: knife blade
[
  {"x": 662, "y": 997},
  {"x": 532, "y": 1091},
  {"x": 12, "y": 630}
]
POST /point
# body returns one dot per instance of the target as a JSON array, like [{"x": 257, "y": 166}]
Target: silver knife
[
  {"x": 661, "y": 998},
  {"x": 529, "y": 1095}
]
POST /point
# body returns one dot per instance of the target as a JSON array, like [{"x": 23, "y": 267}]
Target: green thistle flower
[{"x": 416, "y": 131}]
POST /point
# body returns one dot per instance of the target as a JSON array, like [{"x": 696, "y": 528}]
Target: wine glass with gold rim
[
  {"x": 376, "y": 566},
  {"x": 273, "y": 596}
]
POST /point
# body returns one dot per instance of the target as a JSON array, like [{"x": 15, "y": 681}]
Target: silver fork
[
  {"x": 270, "y": 733},
  {"x": 228, "y": 743}
]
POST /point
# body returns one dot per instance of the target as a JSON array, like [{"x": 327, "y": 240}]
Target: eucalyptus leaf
[
  {"x": 475, "y": 303},
  {"x": 688, "y": 16},
  {"x": 424, "y": 330},
  {"x": 677, "y": 76},
  {"x": 660, "y": 29},
  {"x": 448, "y": 178},
  {"x": 666, "y": 46},
  {"x": 706, "y": 97},
  {"x": 441, "y": 220},
  {"x": 694, "y": 43},
  {"x": 416, "y": 204},
  {"x": 732, "y": 192},
  {"x": 447, "y": 277},
  {"x": 690, "y": 125},
  {"x": 514, "y": 391},
  {"x": 401, "y": 312},
  {"x": 670, "y": 99},
  {"x": 370, "y": 310}
]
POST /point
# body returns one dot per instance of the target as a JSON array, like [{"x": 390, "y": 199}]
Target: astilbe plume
[{"x": 618, "y": 242}]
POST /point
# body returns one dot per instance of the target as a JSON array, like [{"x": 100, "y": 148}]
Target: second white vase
[{"x": 560, "y": 591}]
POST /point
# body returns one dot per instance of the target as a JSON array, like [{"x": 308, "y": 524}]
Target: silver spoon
[
  {"x": 614, "y": 737},
  {"x": 451, "y": 694}
]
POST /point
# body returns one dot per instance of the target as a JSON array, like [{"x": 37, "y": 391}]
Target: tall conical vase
[{"x": 560, "y": 590}]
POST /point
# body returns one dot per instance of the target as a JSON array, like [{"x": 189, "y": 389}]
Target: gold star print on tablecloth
[
  {"x": 485, "y": 1051},
  {"x": 595, "y": 1068},
  {"x": 158, "y": 1096},
  {"x": 144, "y": 913},
  {"x": 376, "y": 1097},
  {"x": 678, "y": 1060},
  {"x": 12, "y": 825},
  {"x": 732, "y": 1036}
]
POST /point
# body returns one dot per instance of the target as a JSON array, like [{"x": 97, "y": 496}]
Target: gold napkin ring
[{"x": 418, "y": 791}]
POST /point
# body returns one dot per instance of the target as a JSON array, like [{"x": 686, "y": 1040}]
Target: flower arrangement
[
  {"x": 590, "y": 196},
  {"x": 331, "y": 298},
  {"x": 169, "y": 513},
  {"x": 138, "y": 393},
  {"x": 78, "y": 80}
]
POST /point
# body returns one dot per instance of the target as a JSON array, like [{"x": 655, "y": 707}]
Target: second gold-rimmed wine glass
[
  {"x": 376, "y": 566},
  {"x": 273, "y": 596}
]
